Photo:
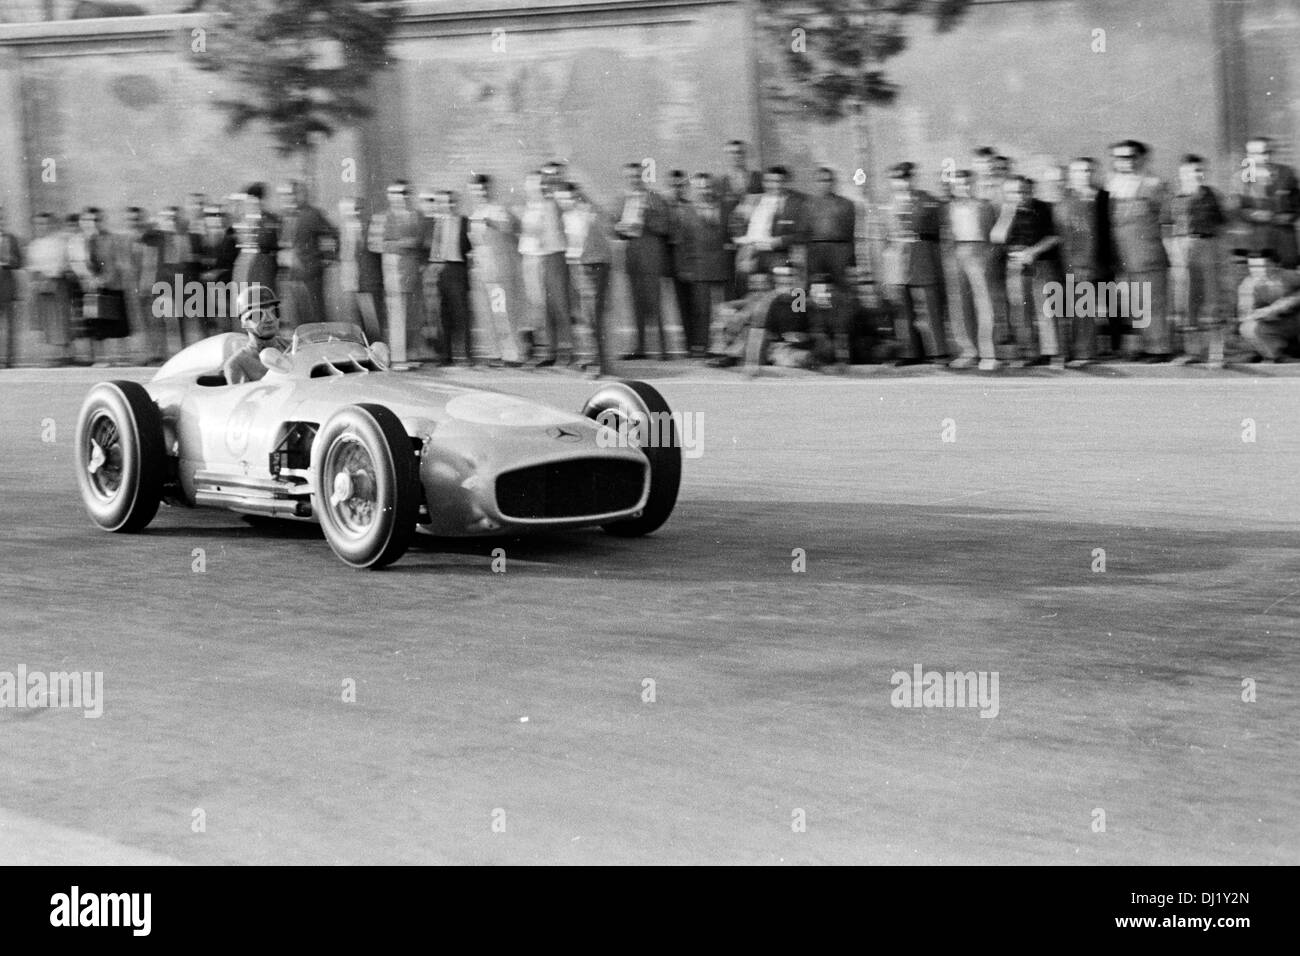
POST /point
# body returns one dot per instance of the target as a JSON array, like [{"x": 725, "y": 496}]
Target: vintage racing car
[{"x": 332, "y": 434}]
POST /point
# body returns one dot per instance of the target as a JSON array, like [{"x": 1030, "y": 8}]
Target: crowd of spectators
[{"x": 990, "y": 268}]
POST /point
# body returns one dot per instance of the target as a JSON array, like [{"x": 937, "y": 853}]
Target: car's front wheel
[
  {"x": 366, "y": 491},
  {"x": 636, "y": 405},
  {"x": 121, "y": 456}
]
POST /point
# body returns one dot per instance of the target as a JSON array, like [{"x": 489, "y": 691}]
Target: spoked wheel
[
  {"x": 631, "y": 404},
  {"x": 367, "y": 491},
  {"x": 121, "y": 457}
]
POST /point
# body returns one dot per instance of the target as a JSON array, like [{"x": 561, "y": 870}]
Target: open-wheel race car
[{"x": 331, "y": 434}]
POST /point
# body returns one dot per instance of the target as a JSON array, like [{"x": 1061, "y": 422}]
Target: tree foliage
[
  {"x": 302, "y": 68},
  {"x": 840, "y": 64}
]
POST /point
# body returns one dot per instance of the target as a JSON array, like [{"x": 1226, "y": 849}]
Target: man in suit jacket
[
  {"x": 678, "y": 199},
  {"x": 306, "y": 237},
  {"x": 704, "y": 244},
  {"x": 1137, "y": 211},
  {"x": 178, "y": 261},
  {"x": 11, "y": 260},
  {"x": 449, "y": 251},
  {"x": 644, "y": 224},
  {"x": 910, "y": 225},
  {"x": 1268, "y": 202},
  {"x": 95, "y": 259},
  {"x": 139, "y": 252},
  {"x": 396, "y": 235},
  {"x": 777, "y": 231},
  {"x": 1083, "y": 222}
]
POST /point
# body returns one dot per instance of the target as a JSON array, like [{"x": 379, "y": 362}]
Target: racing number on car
[{"x": 240, "y": 422}]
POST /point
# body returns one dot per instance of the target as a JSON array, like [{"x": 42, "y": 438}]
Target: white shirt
[
  {"x": 1125, "y": 185},
  {"x": 48, "y": 256},
  {"x": 763, "y": 218}
]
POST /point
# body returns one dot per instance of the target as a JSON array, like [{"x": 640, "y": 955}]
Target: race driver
[{"x": 259, "y": 316}]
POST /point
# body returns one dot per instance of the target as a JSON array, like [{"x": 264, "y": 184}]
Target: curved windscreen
[{"x": 318, "y": 333}]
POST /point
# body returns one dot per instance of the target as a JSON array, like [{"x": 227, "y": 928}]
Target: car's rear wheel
[
  {"x": 625, "y": 404},
  {"x": 366, "y": 491},
  {"x": 121, "y": 456}
]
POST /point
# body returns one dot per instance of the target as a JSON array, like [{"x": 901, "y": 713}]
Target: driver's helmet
[{"x": 254, "y": 300}]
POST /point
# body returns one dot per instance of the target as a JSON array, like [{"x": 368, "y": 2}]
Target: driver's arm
[{"x": 242, "y": 367}]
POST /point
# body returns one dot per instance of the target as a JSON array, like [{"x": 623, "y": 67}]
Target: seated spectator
[
  {"x": 259, "y": 316},
  {"x": 872, "y": 328},
  {"x": 1268, "y": 307},
  {"x": 830, "y": 317},
  {"x": 733, "y": 320}
]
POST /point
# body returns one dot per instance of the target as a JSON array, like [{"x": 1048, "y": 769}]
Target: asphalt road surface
[{"x": 507, "y": 718}]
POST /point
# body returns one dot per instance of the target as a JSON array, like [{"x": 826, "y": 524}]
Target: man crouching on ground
[{"x": 259, "y": 316}]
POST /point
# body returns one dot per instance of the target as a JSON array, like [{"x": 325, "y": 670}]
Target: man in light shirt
[
  {"x": 47, "y": 264},
  {"x": 970, "y": 297},
  {"x": 546, "y": 283},
  {"x": 494, "y": 241},
  {"x": 588, "y": 256}
]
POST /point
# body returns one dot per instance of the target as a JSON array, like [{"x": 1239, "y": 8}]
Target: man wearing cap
[
  {"x": 1268, "y": 202},
  {"x": 1137, "y": 209},
  {"x": 259, "y": 316},
  {"x": 910, "y": 225},
  {"x": 397, "y": 235},
  {"x": 306, "y": 237}
]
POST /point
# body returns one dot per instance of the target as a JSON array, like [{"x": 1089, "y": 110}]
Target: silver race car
[{"x": 332, "y": 435}]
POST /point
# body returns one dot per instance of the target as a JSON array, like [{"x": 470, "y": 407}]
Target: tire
[
  {"x": 368, "y": 517},
  {"x": 665, "y": 458},
  {"x": 121, "y": 457}
]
